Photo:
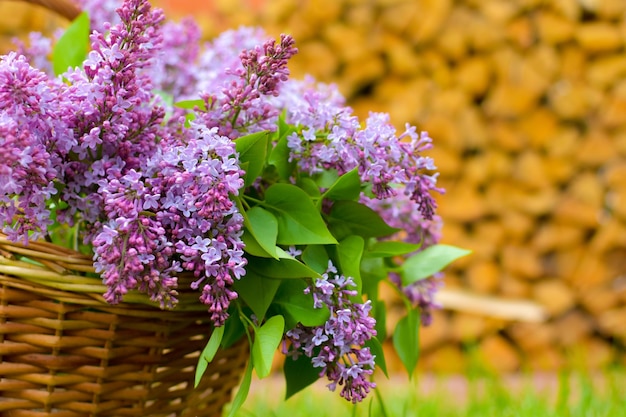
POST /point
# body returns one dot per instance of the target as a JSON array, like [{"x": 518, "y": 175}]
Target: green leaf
[
  {"x": 429, "y": 261},
  {"x": 310, "y": 187},
  {"x": 242, "y": 392},
  {"x": 316, "y": 257},
  {"x": 347, "y": 187},
  {"x": 279, "y": 158},
  {"x": 297, "y": 307},
  {"x": 377, "y": 350},
  {"x": 252, "y": 149},
  {"x": 386, "y": 249},
  {"x": 263, "y": 226},
  {"x": 266, "y": 341},
  {"x": 252, "y": 247},
  {"x": 191, "y": 104},
  {"x": 350, "y": 251},
  {"x": 257, "y": 292},
  {"x": 299, "y": 222},
  {"x": 209, "y": 352},
  {"x": 190, "y": 117},
  {"x": 299, "y": 374},
  {"x": 71, "y": 49},
  {"x": 373, "y": 271},
  {"x": 327, "y": 178},
  {"x": 379, "y": 312},
  {"x": 234, "y": 329},
  {"x": 282, "y": 268},
  {"x": 352, "y": 218},
  {"x": 406, "y": 340}
]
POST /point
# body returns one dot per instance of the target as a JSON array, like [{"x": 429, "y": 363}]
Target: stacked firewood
[{"x": 526, "y": 102}]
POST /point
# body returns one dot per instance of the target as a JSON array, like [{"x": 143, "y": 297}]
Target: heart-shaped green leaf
[
  {"x": 429, "y": 261},
  {"x": 347, "y": 187},
  {"x": 299, "y": 374},
  {"x": 257, "y": 292},
  {"x": 299, "y": 222},
  {"x": 208, "y": 353},
  {"x": 353, "y": 218},
  {"x": 406, "y": 340},
  {"x": 350, "y": 251},
  {"x": 266, "y": 341},
  {"x": 252, "y": 149},
  {"x": 263, "y": 227},
  {"x": 71, "y": 49}
]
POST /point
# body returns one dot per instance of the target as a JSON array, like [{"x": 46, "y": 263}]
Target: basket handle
[{"x": 65, "y": 8}]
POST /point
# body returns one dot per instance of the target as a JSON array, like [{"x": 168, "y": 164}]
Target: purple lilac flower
[
  {"x": 238, "y": 101},
  {"x": 111, "y": 109},
  {"x": 37, "y": 51},
  {"x": 330, "y": 137},
  {"x": 421, "y": 294},
  {"x": 403, "y": 213},
  {"x": 175, "y": 214},
  {"x": 33, "y": 142},
  {"x": 101, "y": 12},
  {"x": 338, "y": 346},
  {"x": 175, "y": 69}
]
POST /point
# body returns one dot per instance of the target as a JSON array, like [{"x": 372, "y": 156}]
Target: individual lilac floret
[{"x": 338, "y": 346}]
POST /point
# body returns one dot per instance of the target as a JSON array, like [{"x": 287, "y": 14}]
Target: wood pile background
[{"x": 526, "y": 102}]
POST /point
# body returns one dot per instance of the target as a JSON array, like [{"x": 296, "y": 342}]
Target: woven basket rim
[{"x": 44, "y": 267}]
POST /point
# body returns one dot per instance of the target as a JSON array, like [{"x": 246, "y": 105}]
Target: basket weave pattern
[{"x": 65, "y": 352}]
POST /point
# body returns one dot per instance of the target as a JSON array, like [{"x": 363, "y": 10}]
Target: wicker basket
[{"x": 65, "y": 352}]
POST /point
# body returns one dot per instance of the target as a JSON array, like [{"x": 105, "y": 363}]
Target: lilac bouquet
[{"x": 160, "y": 156}]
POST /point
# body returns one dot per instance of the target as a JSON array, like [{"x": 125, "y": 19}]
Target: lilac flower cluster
[
  {"x": 33, "y": 143},
  {"x": 153, "y": 199},
  {"x": 330, "y": 137},
  {"x": 403, "y": 213},
  {"x": 173, "y": 215},
  {"x": 240, "y": 104},
  {"x": 111, "y": 111},
  {"x": 173, "y": 71},
  {"x": 36, "y": 51},
  {"x": 101, "y": 12},
  {"x": 337, "y": 346}
]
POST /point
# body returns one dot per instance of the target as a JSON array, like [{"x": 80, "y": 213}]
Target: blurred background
[{"x": 526, "y": 103}]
